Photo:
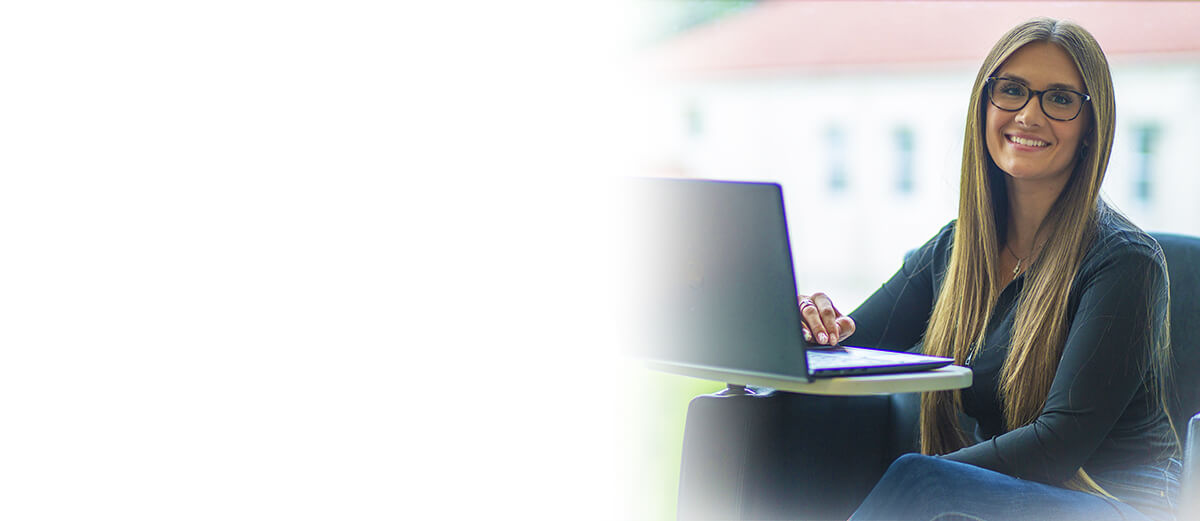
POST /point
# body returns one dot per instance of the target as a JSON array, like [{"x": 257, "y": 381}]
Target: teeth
[{"x": 1027, "y": 142}]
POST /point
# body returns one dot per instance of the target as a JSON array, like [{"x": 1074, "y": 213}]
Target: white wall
[{"x": 1162, "y": 93}]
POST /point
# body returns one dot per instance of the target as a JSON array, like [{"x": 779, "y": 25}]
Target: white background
[{"x": 308, "y": 260}]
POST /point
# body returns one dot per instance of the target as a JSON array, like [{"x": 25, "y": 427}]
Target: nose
[{"x": 1031, "y": 115}]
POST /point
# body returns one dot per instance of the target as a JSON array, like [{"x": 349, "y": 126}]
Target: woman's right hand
[{"x": 822, "y": 322}]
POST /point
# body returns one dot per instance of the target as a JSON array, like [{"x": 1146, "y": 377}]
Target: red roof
[{"x": 781, "y": 34}]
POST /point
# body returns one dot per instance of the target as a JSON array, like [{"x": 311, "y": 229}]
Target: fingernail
[{"x": 822, "y": 338}]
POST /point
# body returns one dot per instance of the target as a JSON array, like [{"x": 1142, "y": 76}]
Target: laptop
[{"x": 715, "y": 292}]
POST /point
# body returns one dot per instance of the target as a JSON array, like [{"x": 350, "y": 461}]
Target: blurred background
[{"x": 858, "y": 110}]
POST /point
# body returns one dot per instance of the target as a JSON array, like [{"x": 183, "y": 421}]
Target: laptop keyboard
[{"x": 826, "y": 358}]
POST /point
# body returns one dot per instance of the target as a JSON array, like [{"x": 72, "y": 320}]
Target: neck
[{"x": 1029, "y": 203}]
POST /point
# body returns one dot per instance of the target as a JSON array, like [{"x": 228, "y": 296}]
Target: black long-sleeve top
[{"x": 1101, "y": 413}]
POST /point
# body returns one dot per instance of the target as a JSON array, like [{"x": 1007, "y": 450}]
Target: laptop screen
[{"x": 715, "y": 282}]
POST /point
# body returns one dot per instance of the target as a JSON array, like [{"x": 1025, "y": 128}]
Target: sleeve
[
  {"x": 1105, "y": 361},
  {"x": 896, "y": 315}
]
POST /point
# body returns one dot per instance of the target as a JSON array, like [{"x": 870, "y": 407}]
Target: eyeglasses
[{"x": 1012, "y": 95}]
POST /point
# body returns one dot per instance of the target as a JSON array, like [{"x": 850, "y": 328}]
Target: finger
[
  {"x": 812, "y": 319},
  {"x": 829, "y": 315},
  {"x": 845, "y": 327},
  {"x": 807, "y": 333},
  {"x": 812, "y": 322}
]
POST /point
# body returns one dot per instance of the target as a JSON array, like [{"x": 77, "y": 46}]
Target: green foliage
[{"x": 662, "y": 401}]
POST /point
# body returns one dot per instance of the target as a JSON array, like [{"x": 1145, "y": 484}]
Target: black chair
[{"x": 756, "y": 454}]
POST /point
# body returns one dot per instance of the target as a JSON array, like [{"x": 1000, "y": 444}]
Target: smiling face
[{"x": 1026, "y": 144}]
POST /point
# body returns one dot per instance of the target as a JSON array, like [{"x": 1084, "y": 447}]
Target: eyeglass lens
[{"x": 1057, "y": 104}]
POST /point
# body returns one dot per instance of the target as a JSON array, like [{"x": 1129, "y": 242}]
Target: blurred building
[{"x": 858, "y": 109}]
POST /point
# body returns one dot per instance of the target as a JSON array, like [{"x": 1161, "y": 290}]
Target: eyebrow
[{"x": 1052, "y": 86}]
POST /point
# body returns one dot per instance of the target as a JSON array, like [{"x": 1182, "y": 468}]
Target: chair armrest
[{"x": 1189, "y": 490}]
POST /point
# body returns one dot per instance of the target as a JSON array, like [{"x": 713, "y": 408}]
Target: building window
[
  {"x": 902, "y": 140},
  {"x": 1146, "y": 139},
  {"x": 693, "y": 120},
  {"x": 835, "y": 143}
]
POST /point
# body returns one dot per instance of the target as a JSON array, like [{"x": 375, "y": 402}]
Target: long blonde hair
[{"x": 971, "y": 286}]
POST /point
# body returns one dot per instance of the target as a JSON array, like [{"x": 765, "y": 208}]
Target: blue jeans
[{"x": 927, "y": 488}]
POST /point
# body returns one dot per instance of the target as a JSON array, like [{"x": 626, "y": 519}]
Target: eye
[
  {"x": 1062, "y": 98},
  {"x": 1011, "y": 88}
]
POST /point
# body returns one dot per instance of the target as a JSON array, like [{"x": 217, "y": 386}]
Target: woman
[{"x": 1056, "y": 302}]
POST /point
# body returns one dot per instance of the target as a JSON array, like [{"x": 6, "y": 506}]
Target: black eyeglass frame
[{"x": 987, "y": 88}]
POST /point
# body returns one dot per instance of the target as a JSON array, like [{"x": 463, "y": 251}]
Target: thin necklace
[{"x": 1017, "y": 268}]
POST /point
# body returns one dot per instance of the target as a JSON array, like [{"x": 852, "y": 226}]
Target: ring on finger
[{"x": 806, "y": 302}]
